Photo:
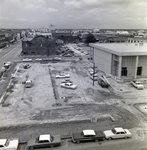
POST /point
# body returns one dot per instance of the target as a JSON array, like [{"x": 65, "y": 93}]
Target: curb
[
  {"x": 5, "y": 93},
  {"x": 112, "y": 89}
]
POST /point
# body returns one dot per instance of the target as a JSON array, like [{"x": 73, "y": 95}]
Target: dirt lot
[{"x": 42, "y": 102}]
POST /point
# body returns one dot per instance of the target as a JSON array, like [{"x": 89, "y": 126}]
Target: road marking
[{"x": 10, "y": 51}]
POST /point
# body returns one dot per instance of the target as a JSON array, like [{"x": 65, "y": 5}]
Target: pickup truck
[{"x": 88, "y": 135}]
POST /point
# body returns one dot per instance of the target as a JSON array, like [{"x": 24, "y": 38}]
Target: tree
[{"x": 90, "y": 38}]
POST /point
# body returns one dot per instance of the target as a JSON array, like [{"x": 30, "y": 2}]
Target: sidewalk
[{"x": 118, "y": 86}]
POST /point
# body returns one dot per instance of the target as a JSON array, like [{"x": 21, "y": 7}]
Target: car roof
[
  {"x": 28, "y": 81},
  {"x": 3, "y": 141},
  {"x": 138, "y": 82},
  {"x": 89, "y": 132},
  {"x": 119, "y": 129},
  {"x": 45, "y": 137}
]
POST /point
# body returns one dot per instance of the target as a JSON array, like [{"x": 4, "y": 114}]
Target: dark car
[
  {"x": 44, "y": 141},
  {"x": 87, "y": 135}
]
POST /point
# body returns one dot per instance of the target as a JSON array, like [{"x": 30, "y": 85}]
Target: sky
[{"x": 74, "y": 14}]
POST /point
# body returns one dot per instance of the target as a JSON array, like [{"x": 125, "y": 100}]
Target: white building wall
[
  {"x": 102, "y": 60},
  {"x": 129, "y": 62},
  {"x": 142, "y": 62}
]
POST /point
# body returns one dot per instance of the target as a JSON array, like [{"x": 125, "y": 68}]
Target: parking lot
[{"x": 46, "y": 100}]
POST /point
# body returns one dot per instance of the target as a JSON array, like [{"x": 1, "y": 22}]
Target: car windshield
[
  {"x": 114, "y": 131},
  {"x": 7, "y": 143},
  {"x": 138, "y": 83}
]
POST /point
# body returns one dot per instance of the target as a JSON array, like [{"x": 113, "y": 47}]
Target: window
[
  {"x": 124, "y": 71},
  {"x": 139, "y": 71},
  {"x": 30, "y": 44}
]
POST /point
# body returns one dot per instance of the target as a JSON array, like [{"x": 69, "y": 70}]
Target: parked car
[
  {"x": 44, "y": 141},
  {"x": 67, "y": 81},
  {"x": 87, "y": 135},
  {"x": 3, "y": 69},
  {"x": 9, "y": 144},
  {"x": 28, "y": 84},
  {"x": 63, "y": 75},
  {"x": 7, "y": 64},
  {"x": 26, "y": 59},
  {"x": 138, "y": 85},
  {"x": 68, "y": 55},
  {"x": 92, "y": 71},
  {"x": 68, "y": 85},
  {"x": 38, "y": 59},
  {"x": 94, "y": 77},
  {"x": 117, "y": 133},
  {"x": 57, "y": 58},
  {"x": 27, "y": 66}
]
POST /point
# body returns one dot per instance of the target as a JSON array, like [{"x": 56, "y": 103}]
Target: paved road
[
  {"x": 138, "y": 140},
  {"x": 10, "y": 54}
]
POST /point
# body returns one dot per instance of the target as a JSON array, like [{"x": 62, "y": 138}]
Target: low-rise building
[
  {"x": 123, "y": 60},
  {"x": 39, "y": 45},
  {"x": 3, "y": 42}
]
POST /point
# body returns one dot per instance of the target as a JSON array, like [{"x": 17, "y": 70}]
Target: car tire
[
  {"x": 31, "y": 148},
  {"x": 109, "y": 138},
  {"x": 78, "y": 142},
  {"x": 125, "y": 137}
]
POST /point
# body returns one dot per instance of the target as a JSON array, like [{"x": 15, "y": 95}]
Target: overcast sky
[{"x": 101, "y": 14}]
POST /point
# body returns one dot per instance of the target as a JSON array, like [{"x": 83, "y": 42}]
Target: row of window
[
  {"x": 41, "y": 45},
  {"x": 124, "y": 71}
]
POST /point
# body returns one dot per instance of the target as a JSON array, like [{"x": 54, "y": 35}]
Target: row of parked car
[
  {"x": 67, "y": 83},
  {"x": 41, "y": 59},
  {"x": 48, "y": 140}
]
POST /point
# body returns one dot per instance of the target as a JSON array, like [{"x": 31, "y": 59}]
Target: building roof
[{"x": 122, "y": 49}]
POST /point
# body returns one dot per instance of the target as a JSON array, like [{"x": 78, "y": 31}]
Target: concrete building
[{"x": 123, "y": 60}]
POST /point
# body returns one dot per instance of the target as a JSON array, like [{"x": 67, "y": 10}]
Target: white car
[
  {"x": 68, "y": 85},
  {"x": 56, "y": 58},
  {"x": 9, "y": 144},
  {"x": 137, "y": 85},
  {"x": 66, "y": 81},
  {"x": 63, "y": 75},
  {"x": 117, "y": 133},
  {"x": 91, "y": 71},
  {"x": 38, "y": 59},
  {"x": 28, "y": 84},
  {"x": 7, "y": 64},
  {"x": 3, "y": 69},
  {"x": 27, "y": 59},
  {"x": 94, "y": 77}
]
